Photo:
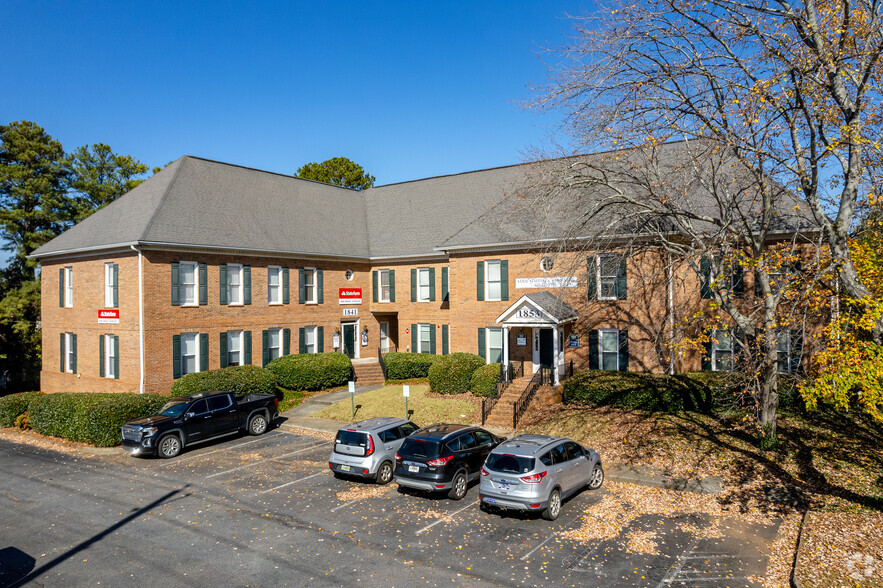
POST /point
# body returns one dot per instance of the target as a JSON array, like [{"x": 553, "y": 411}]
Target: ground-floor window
[
  {"x": 495, "y": 345},
  {"x": 722, "y": 352},
  {"x": 68, "y": 349},
  {"x": 109, "y": 352},
  {"x": 609, "y": 349},
  {"x": 274, "y": 344},
  {"x": 234, "y": 348},
  {"x": 310, "y": 339},
  {"x": 189, "y": 353},
  {"x": 425, "y": 339}
]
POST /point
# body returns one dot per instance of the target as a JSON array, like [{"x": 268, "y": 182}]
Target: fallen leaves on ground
[
  {"x": 362, "y": 491},
  {"x": 855, "y": 542}
]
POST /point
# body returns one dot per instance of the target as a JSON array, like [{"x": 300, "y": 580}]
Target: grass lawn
[{"x": 388, "y": 401}]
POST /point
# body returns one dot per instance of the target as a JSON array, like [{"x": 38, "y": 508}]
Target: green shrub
[
  {"x": 240, "y": 380},
  {"x": 485, "y": 379},
  {"x": 13, "y": 406},
  {"x": 452, "y": 374},
  {"x": 311, "y": 371},
  {"x": 89, "y": 418},
  {"x": 405, "y": 366}
]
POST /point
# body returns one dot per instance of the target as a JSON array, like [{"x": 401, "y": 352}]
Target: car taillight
[
  {"x": 533, "y": 479},
  {"x": 484, "y": 472},
  {"x": 440, "y": 461},
  {"x": 398, "y": 457},
  {"x": 370, "y": 449},
  {"x": 276, "y": 400}
]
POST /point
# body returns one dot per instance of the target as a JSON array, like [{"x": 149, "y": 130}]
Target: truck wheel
[
  {"x": 257, "y": 425},
  {"x": 458, "y": 488},
  {"x": 169, "y": 446},
  {"x": 384, "y": 473},
  {"x": 553, "y": 509}
]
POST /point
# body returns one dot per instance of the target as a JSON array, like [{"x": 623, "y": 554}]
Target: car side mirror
[{"x": 189, "y": 415}]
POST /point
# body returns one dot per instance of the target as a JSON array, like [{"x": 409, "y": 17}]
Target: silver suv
[
  {"x": 536, "y": 473},
  {"x": 368, "y": 448}
]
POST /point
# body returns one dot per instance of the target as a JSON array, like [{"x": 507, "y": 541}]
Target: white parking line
[
  {"x": 251, "y": 465},
  {"x": 448, "y": 516},
  {"x": 295, "y": 482},
  {"x": 195, "y": 455},
  {"x": 529, "y": 553},
  {"x": 347, "y": 503}
]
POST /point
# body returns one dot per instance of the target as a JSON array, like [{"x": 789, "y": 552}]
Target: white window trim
[
  {"x": 311, "y": 330},
  {"x": 270, "y": 346},
  {"x": 195, "y": 336},
  {"x": 108, "y": 357},
  {"x": 237, "y": 269},
  {"x": 315, "y": 273},
  {"x": 108, "y": 285},
  {"x": 487, "y": 281},
  {"x": 181, "y": 288},
  {"x": 420, "y": 272},
  {"x": 278, "y": 270},
  {"x": 420, "y": 337},
  {"x": 68, "y": 352},
  {"x": 598, "y": 275},
  {"x": 732, "y": 362},
  {"x": 380, "y": 274},
  {"x": 234, "y": 336},
  {"x": 601, "y": 351},
  {"x": 69, "y": 287},
  {"x": 487, "y": 338}
]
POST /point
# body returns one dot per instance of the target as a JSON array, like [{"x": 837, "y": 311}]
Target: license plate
[
  {"x": 503, "y": 486},
  {"x": 413, "y": 469},
  {"x": 490, "y": 500},
  {"x": 344, "y": 468}
]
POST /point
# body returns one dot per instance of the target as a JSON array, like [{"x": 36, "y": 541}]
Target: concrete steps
[
  {"x": 368, "y": 373},
  {"x": 501, "y": 415}
]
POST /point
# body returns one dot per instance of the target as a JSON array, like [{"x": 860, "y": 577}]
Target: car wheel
[
  {"x": 169, "y": 446},
  {"x": 553, "y": 509},
  {"x": 458, "y": 488},
  {"x": 384, "y": 473},
  {"x": 597, "y": 477},
  {"x": 257, "y": 425}
]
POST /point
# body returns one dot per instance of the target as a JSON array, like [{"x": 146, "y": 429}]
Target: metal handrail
[
  {"x": 381, "y": 362},
  {"x": 543, "y": 376}
]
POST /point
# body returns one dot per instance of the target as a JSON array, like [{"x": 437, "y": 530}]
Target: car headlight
[{"x": 148, "y": 431}]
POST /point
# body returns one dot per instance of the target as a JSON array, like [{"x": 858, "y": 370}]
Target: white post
[
  {"x": 555, "y": 355},
  {"x": 505, "y": 360}
]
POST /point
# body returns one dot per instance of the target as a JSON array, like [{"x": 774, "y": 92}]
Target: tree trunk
[{"x": 768, "y": 408}]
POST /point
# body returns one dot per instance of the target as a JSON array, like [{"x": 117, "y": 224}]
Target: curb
[
  {"x": 795, "y": 583},
  {"x": 644, "y": 476}
]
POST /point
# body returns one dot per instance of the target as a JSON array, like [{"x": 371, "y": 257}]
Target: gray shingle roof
[{"x": 560, "y": 311}]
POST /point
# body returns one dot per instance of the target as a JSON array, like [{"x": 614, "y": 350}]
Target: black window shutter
[
  {"x": 286, "y": 341},
  {"x": 61, "y": 287},
  {"x": 444, "y": 284},
  {"x": 320, "y": 339},
  {"x": 101, "y": 356},
  {"x": 432, "y": 284},
  {"x": 738, "y": 281},
  {"x": 176, "y": 356},
  {"x": 446, "y": 339},
  {"x": 285, "y": 289},
  {"x": 246, "y": 347},
  {"x": 624, "y": 350},
  {"x": 222, "y": 272},
  {"x": 320, "y": 287},
  {"x": 622, "y": 280},
  {"x": 203, "y": 352},
  {"x": 116, "y": 286},
  {"x": 265, "y": 348},
  {"x": 223, "y": 348},
  {"x": 594, "y": 360},
  {"x": 74, "y": 352},
  {"x": 301, "y": 286},
  {"x": 432, "y": 339},
  {"x": 374, "y": 286},
  {"x": 479, "y": 280},
  {"x": 592, "y": 279},
  {"x": 176, "y": 283},
  {"x": 705, "y": 279},
  {"x": 414, "y": 338},
  {"x": 504, "y": 279},
  {"x": 203, "y": 285},
  {"x": 302, "y": 340},
  {"x": 706, "y": 356},
  {"x": 413, "y": 285},
  {"x": 116, "y": 357},
  {"x": 61, "y": 346},
  {"x": 246, "y": 284},
  {"x": 482, "y": 347},
  {"x": 392, "y": 285}
]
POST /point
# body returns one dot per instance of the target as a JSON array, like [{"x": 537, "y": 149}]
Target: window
[
  {"x": 407, "y": 429},
  {"x": 69, "y": 353},
  {"x": 789, "y": 350},
  {"x": 234, "y": 348},
  {"x": 234, "y": 284},
  {"x": 111, "y": 293},
  {"x": 546, "y": 264},
  {"x": 483, "y": 438},
  {"x": 274, "y": 284},
  {"x": 384, "y": 285},
  {"x": 494, "y": 281},
  {"x": 219, "y": 402},
  {"x": 310, "y": 339},
  {"x": 425, "y": 340},
  {"x": 199, "y": 407},
  {"x": 495, "y": 345},
  {"x": 188, "y": 284},
  {"x": 189, "y": 353},
  {"x": 609, "y": 349},
  {"x": 608, "y": 270},
  {"x": 274, "y": 344},
  {"x": 348, "y": 274},
  {"x": 111, "y": 348},
  {"x": 722, "y": 350},
  {"x": 423, "y": 284},
  {"x": 68, "y": 287},
  {"x": 310, "y": 285}
]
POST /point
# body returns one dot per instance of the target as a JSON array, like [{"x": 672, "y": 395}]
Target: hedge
[
  {"x": 485, "y": 379},
  {"x": 452, "y": 374},
  {"x": 13, "y": 406},
  {"x": 404, "y": 366},
  {"x": 240, "y": 380},
  {"x": 702, "y": 392},
  {"x": 90, "y": 418},
  {"x": 311, "y": 371}
]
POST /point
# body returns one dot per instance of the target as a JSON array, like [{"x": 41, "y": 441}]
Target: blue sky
[{"x": 407, "y": 89}]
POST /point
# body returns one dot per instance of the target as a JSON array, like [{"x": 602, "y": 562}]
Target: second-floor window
[
  {"x": 423, "y": 284},
  {"x": 234, "y": 283},
  {"x": 111, "y": 288},
  {"x": 310, "y": 285},
  {"x": 494, "y": 282},
  {"x": 384, "y": 285},
  {"x": 274, "y": 284},
  {"x": 188, "y": 284},
  {"x": 68, "y": 287}
]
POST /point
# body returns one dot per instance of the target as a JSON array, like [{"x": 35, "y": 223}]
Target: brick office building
[{"x": 208, "y": 264}]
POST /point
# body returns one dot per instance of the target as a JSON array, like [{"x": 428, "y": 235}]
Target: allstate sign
[{"x": 349, "y": 296}]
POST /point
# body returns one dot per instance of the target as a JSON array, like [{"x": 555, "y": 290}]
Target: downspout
[
  {"x": 140, "y": 317},
  {"x": 671, "y": 316}
]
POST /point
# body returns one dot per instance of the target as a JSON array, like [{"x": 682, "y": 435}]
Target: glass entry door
[
  {"x": 384, "y": 337},
  {"x": 349, "y": 340}
]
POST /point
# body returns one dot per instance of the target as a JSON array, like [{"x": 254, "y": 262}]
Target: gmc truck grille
[{"x": 131, "y": 433}]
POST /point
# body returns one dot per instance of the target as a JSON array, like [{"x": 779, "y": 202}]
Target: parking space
[{"x": 287, "y": 474}]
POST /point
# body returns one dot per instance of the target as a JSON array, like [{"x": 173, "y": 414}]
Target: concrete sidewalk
[{"x": 299, "y": 416}]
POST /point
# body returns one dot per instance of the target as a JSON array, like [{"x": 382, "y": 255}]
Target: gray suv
[
  {"x": 535, "y": 473},
  {"x": 368, "y": 448}
]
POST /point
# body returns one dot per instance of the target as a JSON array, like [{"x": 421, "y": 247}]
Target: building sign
[
  {"x": 350, "y": 296},
  {"x": 109, "y": 316},
  {"x": 335, "y": 340},
  {"x": 350, "y": 311},
  {"x": 528, "y": 313},
  {"x": 573, "y": 341},
  {"x": 521, "y": 339},
  {"x": 364, "y": 338},
  {"x": 545, "y": 282}
]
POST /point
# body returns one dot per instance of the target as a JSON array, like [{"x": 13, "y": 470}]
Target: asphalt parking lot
[{"x": 258, "y": 511}]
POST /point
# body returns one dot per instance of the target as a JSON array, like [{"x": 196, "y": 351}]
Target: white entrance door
[{"x": 384, "y": 337}]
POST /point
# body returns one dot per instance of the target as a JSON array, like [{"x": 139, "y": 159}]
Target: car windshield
[
  {"x": 509, "y": 464},
  {"x": 415, "y": 448},
  {"x": 173, "y": 408}
]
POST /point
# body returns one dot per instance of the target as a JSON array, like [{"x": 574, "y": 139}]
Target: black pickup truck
[{"x": 197, "y": 418}]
